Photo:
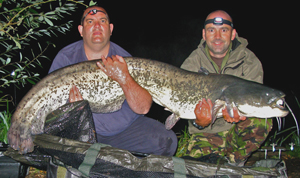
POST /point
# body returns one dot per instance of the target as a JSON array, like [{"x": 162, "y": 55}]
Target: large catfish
[{"x": 173, "y": 88}]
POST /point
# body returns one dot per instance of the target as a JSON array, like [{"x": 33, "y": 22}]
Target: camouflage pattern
[{"x": 236, "y": 144}]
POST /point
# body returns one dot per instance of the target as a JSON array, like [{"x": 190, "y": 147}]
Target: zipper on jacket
[{"x": 235, "y": 67}]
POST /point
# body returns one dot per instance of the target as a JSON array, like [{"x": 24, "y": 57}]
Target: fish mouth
[
  {"x": 281, "y": 105},
  {"x": 274, "y": 109}
]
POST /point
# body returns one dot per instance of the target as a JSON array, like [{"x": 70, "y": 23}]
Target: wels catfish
[{"x": 173, "y": 88}]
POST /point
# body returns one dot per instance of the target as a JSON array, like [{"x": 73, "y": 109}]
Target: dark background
[{"x": 169, "y": 32}]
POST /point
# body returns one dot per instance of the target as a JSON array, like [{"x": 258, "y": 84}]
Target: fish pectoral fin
[
  {"x": 218, "y": 105},
  {"x": 235, "y": 117},
  {"x": 171, "y": 121},
  {"x": 166, "y": 109}
]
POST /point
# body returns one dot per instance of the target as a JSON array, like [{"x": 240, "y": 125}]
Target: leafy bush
[
  {"x": 5, "y": 117},
  {"x": 23, "y": 25}
]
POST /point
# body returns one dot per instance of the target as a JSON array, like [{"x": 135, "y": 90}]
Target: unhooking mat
[{"x": 69, "y": 144}]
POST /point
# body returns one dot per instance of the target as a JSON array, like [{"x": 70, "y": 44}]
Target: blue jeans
[{"x": 144, "y": 135}]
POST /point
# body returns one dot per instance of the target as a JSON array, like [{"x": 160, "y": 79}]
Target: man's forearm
[{"x": 138, "y": 98}]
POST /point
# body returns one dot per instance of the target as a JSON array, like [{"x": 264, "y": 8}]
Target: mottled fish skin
[{"x": 173, "y": 88}]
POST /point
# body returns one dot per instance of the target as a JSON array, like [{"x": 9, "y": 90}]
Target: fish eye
[{"x": 280, "y": 102}]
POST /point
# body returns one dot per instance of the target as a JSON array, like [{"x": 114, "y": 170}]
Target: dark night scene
[{"x": 33, "y": 32}]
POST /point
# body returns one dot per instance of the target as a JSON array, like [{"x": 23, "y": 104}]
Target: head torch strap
[
  {"x": 93, "y": 12},
  {"x": 218, "y": 21}
]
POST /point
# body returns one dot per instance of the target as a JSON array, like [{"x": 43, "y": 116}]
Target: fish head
[{"x": 255, "y": 100}]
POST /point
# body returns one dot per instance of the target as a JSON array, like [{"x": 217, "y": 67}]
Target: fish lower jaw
[{"x": 261, "y": 112}]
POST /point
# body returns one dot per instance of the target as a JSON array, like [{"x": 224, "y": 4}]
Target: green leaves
[
  {"x": 5, "y": 118},
  {"x": 48, "y": 22},
  {"x": 29, "y": 16},
  {"x": 23, "y": 24},
  {"x": 92, "y": 3}
]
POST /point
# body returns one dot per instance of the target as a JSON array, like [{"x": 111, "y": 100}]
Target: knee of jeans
[{"x": 168, "y": 144}]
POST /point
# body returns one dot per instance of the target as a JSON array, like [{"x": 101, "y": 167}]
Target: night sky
[{"x": 169, "y": 32}]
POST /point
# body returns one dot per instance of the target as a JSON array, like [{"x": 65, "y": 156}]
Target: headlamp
[
  {"x": 93, "y": 12},
  {"x": 218, "y": 21}
]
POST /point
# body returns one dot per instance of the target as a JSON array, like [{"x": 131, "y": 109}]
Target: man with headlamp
[
  {"x": 222, "y": 51},
  {"x": 127, "y": 128}
]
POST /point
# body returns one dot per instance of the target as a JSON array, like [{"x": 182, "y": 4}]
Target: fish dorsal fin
[{"x": 203, "y": 71}]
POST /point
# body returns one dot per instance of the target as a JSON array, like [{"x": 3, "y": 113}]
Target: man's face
[
  {"x": 218, "y": 38},
  {"x": 95, "y": 28}
]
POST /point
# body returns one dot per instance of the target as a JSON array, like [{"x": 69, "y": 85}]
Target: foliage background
[{"x": 27, "y": 30}]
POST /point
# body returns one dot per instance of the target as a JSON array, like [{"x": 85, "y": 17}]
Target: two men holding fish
[
  {"x": 222, "y": 51},
  {"x": 126, "y": 127}
]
